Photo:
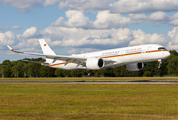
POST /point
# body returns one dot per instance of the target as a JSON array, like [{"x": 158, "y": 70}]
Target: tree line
[{"x": 20, "y": 68}]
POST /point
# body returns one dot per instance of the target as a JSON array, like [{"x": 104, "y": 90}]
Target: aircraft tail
[{"x": 46, "y": 50}]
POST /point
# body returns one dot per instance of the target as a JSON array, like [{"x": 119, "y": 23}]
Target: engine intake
[
  {"x": 94, "y": 63},
  {"x": 134, "y": 66}
]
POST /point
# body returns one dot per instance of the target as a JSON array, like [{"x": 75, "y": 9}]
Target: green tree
[
  {"x": 43, "y": 71},
  {"x": 2, "y": 67},
  {"x": 25, "y": 70},
  {"x": 147, "y": 74},
  {"x": 58, "y": 72},
  {"x": 7, "y": 68},
  {"x": 173, "y": 65}
]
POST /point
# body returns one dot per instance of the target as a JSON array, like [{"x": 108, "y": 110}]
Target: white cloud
[
  {"x": 59, "y": 22},
  {"x": 16, "y": 27},
  {"x": 56, "y": 43},
  {"x": 85, "y": 4},
  {"x": 72, "y": 51},
  {"x": 30, "y": 33},
  {"x": 173, "y": 44},
  {"x": 172, "y": 34},
  {"x": 175, "y": 16},
  {"x": 104, "y": 20},
  {"x": 173, "y": 23},
  {"x": 22, "y": 5},
  {"x": 27, "y": 41},
  {"x": 139, "y": 17},
  {"x": 4, "y": 28},
  {"x": 86, "y": 50},
  {"x": 174, "y": 19},
  {"x": 50, "y": 2},
  {"x": 159, "y": 16},
  {"x": 140, "y": 6},
  {"x": 30, "y": 44},
  {"x": 74, "y": 37},
  {"x": 9, "y": 28},
  {"x": 140, "y": 37},
  {"x": 107, "y": 20},
  {"x": 7, "y": 38},
  {"x": 75, "y": 19},
  {"x": 118, "y": 6}
]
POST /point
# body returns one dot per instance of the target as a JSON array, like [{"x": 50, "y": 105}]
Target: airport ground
[
  {"x": 93, "y": 79},
  {"x": 89, "y": 101}
]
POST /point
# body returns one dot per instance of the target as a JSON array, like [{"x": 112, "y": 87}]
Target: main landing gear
[{"x": 88, "y": 74}]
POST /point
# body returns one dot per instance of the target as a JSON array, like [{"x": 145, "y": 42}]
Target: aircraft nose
[{"x": 168, "y": 54}]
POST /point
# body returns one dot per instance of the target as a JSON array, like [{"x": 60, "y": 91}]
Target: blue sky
[{"x": 78, "y": 26}]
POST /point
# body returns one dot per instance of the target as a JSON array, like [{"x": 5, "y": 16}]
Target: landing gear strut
[
  {"x": 88, "y": 73},
  {"x": 160, "y": 63}
]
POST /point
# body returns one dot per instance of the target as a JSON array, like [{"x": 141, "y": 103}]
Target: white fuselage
[{"x": 121, "y": 56}]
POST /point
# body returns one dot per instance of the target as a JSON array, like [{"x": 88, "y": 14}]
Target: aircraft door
[
  {"x": 144, "y": 54},
  {"x": 149, "y": 49},
  {"x": 122, "y": 52}
]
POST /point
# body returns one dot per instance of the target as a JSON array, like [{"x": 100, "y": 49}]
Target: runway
[{"x": 88, "y": 82}]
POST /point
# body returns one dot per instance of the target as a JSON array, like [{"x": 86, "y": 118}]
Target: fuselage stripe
[{"x": 58, "y": 64}]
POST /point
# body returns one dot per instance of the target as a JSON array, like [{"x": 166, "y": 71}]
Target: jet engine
[
  {"x": 94, "y": 63},
  {"x": 134, "y": 66}
]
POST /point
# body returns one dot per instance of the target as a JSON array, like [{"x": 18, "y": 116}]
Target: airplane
[{"x": 133, "y": 57}]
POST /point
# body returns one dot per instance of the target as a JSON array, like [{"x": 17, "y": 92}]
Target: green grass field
[{"x": 88, "y": 101}]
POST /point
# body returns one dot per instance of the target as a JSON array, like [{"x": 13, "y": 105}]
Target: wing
[
  {"x": 74, "y": 59},
  {"x": 67, "y": 59}
]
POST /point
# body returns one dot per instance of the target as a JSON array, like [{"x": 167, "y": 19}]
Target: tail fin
[{"x": 46, "y": 50}]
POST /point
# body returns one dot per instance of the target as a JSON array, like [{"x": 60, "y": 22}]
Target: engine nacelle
[
  {"x": 94, "y": 63},
  {"x": 134, "y": 66}
]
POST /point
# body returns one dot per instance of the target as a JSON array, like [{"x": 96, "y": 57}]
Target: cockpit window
[{"x": 161, "y": 48}]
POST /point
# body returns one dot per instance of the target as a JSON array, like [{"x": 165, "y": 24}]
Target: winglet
[{"x": 10, "y": 48}]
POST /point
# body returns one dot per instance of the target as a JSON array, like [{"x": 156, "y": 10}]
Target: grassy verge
[
  {"x": 94, "y": 79},
  {"x": 81, "y": 101}
]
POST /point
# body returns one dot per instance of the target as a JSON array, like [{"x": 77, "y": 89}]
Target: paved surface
[{"x": 89, "y": 82}]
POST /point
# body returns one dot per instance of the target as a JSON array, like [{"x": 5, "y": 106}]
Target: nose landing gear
[{"x": 160, "y": 63}]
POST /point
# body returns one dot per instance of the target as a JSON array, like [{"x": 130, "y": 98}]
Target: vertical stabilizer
[{"x": 46, "y": 50}]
